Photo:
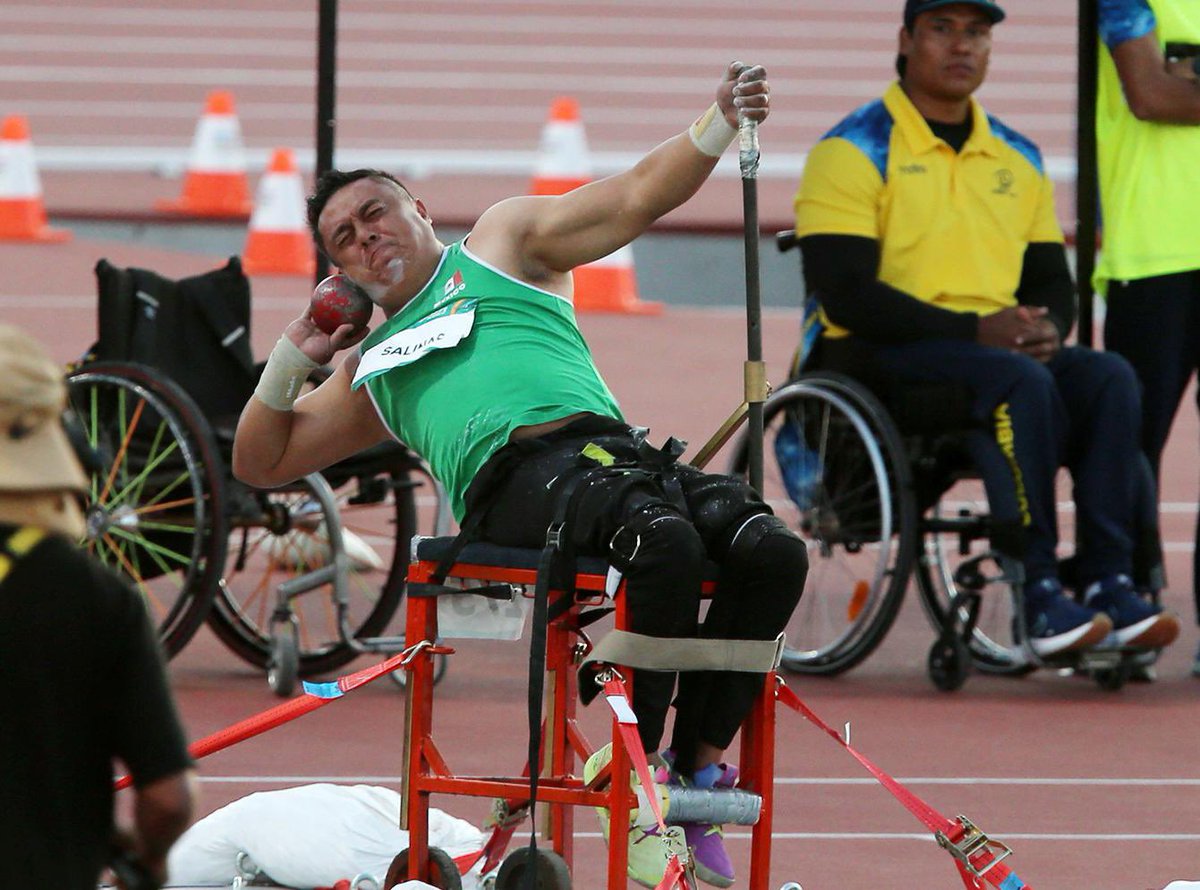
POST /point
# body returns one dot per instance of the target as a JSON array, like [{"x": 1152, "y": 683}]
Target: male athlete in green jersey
[{"x": 480, "y": 367}]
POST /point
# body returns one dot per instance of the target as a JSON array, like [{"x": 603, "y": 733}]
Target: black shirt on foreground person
[{"x": 84, "y": 681}]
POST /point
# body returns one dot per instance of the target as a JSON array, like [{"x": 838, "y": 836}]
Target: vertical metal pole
[
  {"x": 755, "y": 375},
  {"x": 1086, "y": 214},
  {"x": 326, "y": 98}
]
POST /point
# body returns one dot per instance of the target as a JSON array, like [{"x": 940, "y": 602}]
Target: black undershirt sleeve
[
  {"x": 842, "y": 270},
  {"x": 1046, "y": 281}
]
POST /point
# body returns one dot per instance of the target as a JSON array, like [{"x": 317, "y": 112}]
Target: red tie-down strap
[
  {"x": 316, "y": 695},
  {"x": 617, "y": 697},
  {"x": 975, "y": 855}
]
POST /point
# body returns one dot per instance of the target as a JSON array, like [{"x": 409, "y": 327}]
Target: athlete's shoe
[
  {"x": 1136, "y": 622},
  {"x": 705, "y": 841},
  {"x": 647, "y": 854},
  {"x": 1057, "y": 624}
]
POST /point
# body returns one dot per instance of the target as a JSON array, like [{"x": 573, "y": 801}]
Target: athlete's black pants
[{"x": 658, "y": 529}]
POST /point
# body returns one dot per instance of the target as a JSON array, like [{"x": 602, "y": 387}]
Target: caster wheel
[
  {"x": 551, "y": 870},
  {"x": 1114, "y": 678},
  {"x": 283, "y": 664},
  {"x": 440, "y": 664},
  {"x": 949, "y": 663},
  {"x": 443, "y": 873}
]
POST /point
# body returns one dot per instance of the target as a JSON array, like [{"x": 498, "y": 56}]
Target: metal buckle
[
  {"x": 637, "y": 544},
  {"x": 972, "y": 843},
  {"x": 554, "y": 535},
  {"x": 503, "y": 816}
]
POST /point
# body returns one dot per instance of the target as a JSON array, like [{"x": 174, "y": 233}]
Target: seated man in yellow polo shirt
[{"x": 928, "y": 232}]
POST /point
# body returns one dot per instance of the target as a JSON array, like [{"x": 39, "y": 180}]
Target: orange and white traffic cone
[
  {"x": 215, "y": 182},
  {"x": 22, "y": 213},
  {"x": 278, "y": 242},
  {"x": 563, "y": 161},
  {"x": 608, "y": 284}
]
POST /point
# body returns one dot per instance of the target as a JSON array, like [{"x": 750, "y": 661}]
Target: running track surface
[
  {"x": 1094, "y": 790},
  {"x": 440, "y": 91}
]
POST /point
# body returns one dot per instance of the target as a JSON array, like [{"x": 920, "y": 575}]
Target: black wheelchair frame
[
  {"x": 298, "y": 580},
  {"x": 869, "y": 495}
]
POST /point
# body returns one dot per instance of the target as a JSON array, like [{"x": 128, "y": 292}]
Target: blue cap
[{"x": 913, "y": 8}]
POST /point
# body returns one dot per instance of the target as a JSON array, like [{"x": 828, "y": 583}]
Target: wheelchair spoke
[
  {"x": 837, "y": 468},
  {"x": 153, "y": 511}
]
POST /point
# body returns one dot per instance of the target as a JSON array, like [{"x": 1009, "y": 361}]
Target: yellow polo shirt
[
  {"x": 952, "y": 226},
  {"x": 1149, "y": 171}
]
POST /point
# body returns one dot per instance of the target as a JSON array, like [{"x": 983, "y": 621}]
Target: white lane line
[
  {"x": 553, "y": 54},
  {"x": 909, "y": 836},
  {"x": 1167, "y": 782}
]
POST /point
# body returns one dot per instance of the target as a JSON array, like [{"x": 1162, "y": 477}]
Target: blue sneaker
[
  {"x": 705, "y": 840},
  {"x": 1056, "y": 623},
  {"x": 1136, "y": 622}
]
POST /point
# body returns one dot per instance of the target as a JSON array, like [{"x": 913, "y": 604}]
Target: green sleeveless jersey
[
  {"x": 1149, "y": 175},
  {"x": 470, "y": 358}
]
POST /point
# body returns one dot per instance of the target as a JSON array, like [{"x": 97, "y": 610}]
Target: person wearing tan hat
[
  {"x": 39, "y": 472},
  {"x": 84, "y": 677}
]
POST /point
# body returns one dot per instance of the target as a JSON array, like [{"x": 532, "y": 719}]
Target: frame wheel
[
  {"x": 443, "y": 873},
  {"x": 551, "y": 872}
]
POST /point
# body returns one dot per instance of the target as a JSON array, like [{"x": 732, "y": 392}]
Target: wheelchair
[
  {"x": 298, "y": 580},
  {"x": 884, "y": 493}
]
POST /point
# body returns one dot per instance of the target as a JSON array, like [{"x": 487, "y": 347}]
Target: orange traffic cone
[
  {"x": 563, "y": 162},
  {"x": 278, "y": 242},
  {"x": 22, "y": 213},
  {"x": 608, "y": 284},
  {"x": 215, "y": 182}
]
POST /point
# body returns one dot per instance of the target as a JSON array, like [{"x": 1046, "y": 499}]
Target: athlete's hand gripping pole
[{"x": 755, "y": 371}]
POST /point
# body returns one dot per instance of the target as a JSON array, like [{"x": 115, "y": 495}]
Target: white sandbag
[{"x": 311, "y": 836}]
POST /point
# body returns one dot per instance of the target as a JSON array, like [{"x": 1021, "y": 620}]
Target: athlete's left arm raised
[{"x": 545, "y": 236}]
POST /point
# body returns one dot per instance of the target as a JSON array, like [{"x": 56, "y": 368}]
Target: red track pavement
[{"x": 1094, "y": 790}]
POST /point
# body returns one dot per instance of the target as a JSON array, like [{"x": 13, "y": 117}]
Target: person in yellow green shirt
[
  {"x": 1148, "y": 132},
  {"x": 928, "y": 233}
]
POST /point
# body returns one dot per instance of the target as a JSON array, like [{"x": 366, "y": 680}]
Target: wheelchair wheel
[
  {"x": 943, "y": 572},
  {"x": 281, "y": 533},
  {"x": 836, "y": 472},
  {"x": 155, "y": 506}
]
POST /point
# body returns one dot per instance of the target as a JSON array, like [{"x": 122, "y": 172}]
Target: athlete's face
[
  {"x": 947, "y": 52},
  {"x": 378, "y": 235}
]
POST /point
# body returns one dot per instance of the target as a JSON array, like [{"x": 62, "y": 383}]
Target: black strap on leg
[{"x": 557, "y": 561}]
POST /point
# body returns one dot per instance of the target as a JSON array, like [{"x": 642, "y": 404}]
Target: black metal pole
[
  {"x": 1086, "y": 215},
  {"x": 326, "y": 99},
  {"x": 755, "y": 376}
]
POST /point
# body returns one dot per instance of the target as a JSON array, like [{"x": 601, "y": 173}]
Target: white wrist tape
[
  {"x": 286, "y": 370},
  {"x": 711, "y": 133}
]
